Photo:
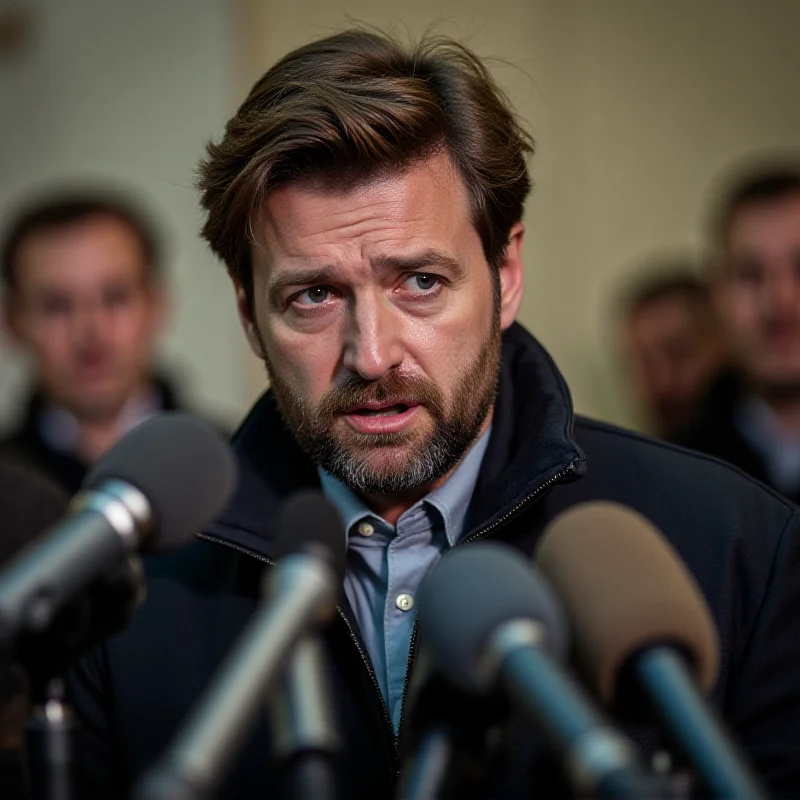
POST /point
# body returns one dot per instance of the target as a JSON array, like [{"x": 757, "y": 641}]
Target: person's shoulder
[{"x": 649, "y": 466}]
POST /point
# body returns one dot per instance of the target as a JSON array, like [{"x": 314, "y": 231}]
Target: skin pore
[{"x": 376, "y": 313}]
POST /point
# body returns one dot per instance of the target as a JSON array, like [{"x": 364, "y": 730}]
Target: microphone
[
  {"x": 301, "y": 591},
  {"x": 29, "y": 503},
  {"x": 307, "y": 742},
  {"x": 454, "y": 741},
  {"x": 153, "y": 490},
  {"x": 490, "y": 620},
  {"x": 643, "y": 633}
]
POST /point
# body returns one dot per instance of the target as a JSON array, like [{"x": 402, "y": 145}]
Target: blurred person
[
  {"x": 672, "y": 346},
  {"x": 83, "y": 296},
  {"x": 367, "y": 200},
  {"x": 752, "y": 419}
]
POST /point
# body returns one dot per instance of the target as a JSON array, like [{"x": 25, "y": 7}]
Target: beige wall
[
  {"x": 126, "y": 94},
  {"x": 635, "y": 104}
]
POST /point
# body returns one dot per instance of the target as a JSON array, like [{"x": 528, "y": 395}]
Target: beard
[{"x": 405, "y": 460}]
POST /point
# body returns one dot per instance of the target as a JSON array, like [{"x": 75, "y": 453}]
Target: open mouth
[
  {"x": 382, "y": 418},
  {"x": 387, "y": 411}
]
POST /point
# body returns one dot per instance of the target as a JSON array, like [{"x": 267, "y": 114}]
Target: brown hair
[
  {"x": 65, "y": 209},
  {"x": 354, "y": 105},
  {"x": 757, "y": 185}
]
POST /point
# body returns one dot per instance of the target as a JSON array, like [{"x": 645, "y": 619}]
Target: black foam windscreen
[
  {"x": 472, "y": 592},
  {"x": 29, "y": 503},
  {"x": 310, "y": 523},
  {"x": 182, "y": 465}
]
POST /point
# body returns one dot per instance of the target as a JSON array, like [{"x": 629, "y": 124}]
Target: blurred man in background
[
  {"x": 672, "y": 346},
  {"x": 82, "y": 295},
  {"x": 754, "y": 421}
]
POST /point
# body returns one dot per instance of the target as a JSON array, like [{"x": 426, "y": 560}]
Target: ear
[
  {"x": 511, "y": 277},
  {"x": 245, "y": 317}
]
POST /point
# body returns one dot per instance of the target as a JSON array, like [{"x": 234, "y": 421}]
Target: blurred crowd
[{"x": 712, "y": 350}]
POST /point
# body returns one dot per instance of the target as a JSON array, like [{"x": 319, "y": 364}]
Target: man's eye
[
  {"x": 422, "y": 282},
  {"x": 314, "y": 296}
]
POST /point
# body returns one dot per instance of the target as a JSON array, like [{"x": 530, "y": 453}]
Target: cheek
[
  {"x": 306, "y": 363},
  {"x": 446, "y": 350}
]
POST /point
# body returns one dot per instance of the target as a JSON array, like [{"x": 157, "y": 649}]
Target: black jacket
[
  {"x": 739, "y": 539},
  {"x": 27, "y": 444},
  {"x": 715, "y": 432}
]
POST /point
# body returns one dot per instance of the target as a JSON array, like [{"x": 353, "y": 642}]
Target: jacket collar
[{"x": 531, "y": 445}]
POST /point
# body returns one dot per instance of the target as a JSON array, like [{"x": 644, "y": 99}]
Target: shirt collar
[
  {"x": 451, "y": 499},
  {"x": 60, "y": 428}
]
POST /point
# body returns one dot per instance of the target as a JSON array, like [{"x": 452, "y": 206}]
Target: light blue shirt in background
[{"x": 386, "y": 564}]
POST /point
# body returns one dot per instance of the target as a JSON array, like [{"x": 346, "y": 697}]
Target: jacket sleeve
[
  {"x": 99, "y": 765},
  {"x": 763, "y": 698}
]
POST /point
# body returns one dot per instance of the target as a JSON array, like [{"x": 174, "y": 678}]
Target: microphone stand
[
  {"x": 307, "y": 744},
  {"x": 46, "y": 657},
  {"x": 52, "y": 730}
]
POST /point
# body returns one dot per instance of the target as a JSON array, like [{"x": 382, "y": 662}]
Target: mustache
[{"x": 355, "y": 391}]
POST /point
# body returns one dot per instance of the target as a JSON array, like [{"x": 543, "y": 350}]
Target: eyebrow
[{"x": 427, "y": 259}]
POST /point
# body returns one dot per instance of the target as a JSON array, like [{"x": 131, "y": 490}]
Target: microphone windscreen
[
  {"x": 29, "y": 503},
  {"x": 469, "y": 594},
  {"x": 309, "y": 523},
  {"x": 624, "y": 588},
  {"x": 182, "y": 465}
]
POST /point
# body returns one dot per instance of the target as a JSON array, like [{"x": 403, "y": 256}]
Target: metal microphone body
[
  {"x": 307, "y": 742},
  {"x": 663, "y": 679},
  {"x": 598, "y": 761},
  {"x": 107, "y": 523},
  {"x": 301, "y": 591}
]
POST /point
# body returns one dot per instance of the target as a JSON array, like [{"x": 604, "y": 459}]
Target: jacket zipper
[
  {"x": 395, "y": 739},
  {"x": 386, "y": 717},
  {"x": 471, "y": 538}
]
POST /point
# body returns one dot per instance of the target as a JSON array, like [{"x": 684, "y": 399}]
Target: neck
[
  {"x": 786, "y": 411},
  {"x": 95, "y": 437},
  {"x": 97, "y": 433}
]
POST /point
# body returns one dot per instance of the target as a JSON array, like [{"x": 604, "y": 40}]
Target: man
[
  {"x": 672, "y": 347},
  {"x": 82, "y": 294},
  {"x": 367, "y": 201},
  {"x": 754, "y": 422}
]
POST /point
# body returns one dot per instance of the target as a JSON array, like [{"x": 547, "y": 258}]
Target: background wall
[
  {"x": 636, "y": 106},
  {"x": 126, "y": 94}
]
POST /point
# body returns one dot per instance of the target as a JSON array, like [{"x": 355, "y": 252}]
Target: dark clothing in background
[
  {"x": 717, "y": 432},
  {"x": 741, "y": 541},
  {"x": 27, "y": 443}
]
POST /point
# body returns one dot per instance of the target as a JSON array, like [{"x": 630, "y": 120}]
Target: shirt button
[
  {"x": 365, "y": 529},
  {"x": 405, "y": 602}
]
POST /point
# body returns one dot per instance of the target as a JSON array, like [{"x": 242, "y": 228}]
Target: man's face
[
  {"x": 88, "y": 312},
  {"x": 378, "y": 319},
  {"x": 672, "y": 355},
  {"x": 759, "y": 292}
]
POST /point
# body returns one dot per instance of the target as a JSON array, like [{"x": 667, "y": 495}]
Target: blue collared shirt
[{"x": 386, "y": 564}]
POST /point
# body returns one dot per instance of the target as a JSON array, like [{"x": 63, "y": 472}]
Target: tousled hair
[{"x": 356, "y": 105}]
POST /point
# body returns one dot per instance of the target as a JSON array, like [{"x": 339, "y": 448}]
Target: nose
[
  {"x": 373, "y": 344},
  {"x": 89, "y": 321}
]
